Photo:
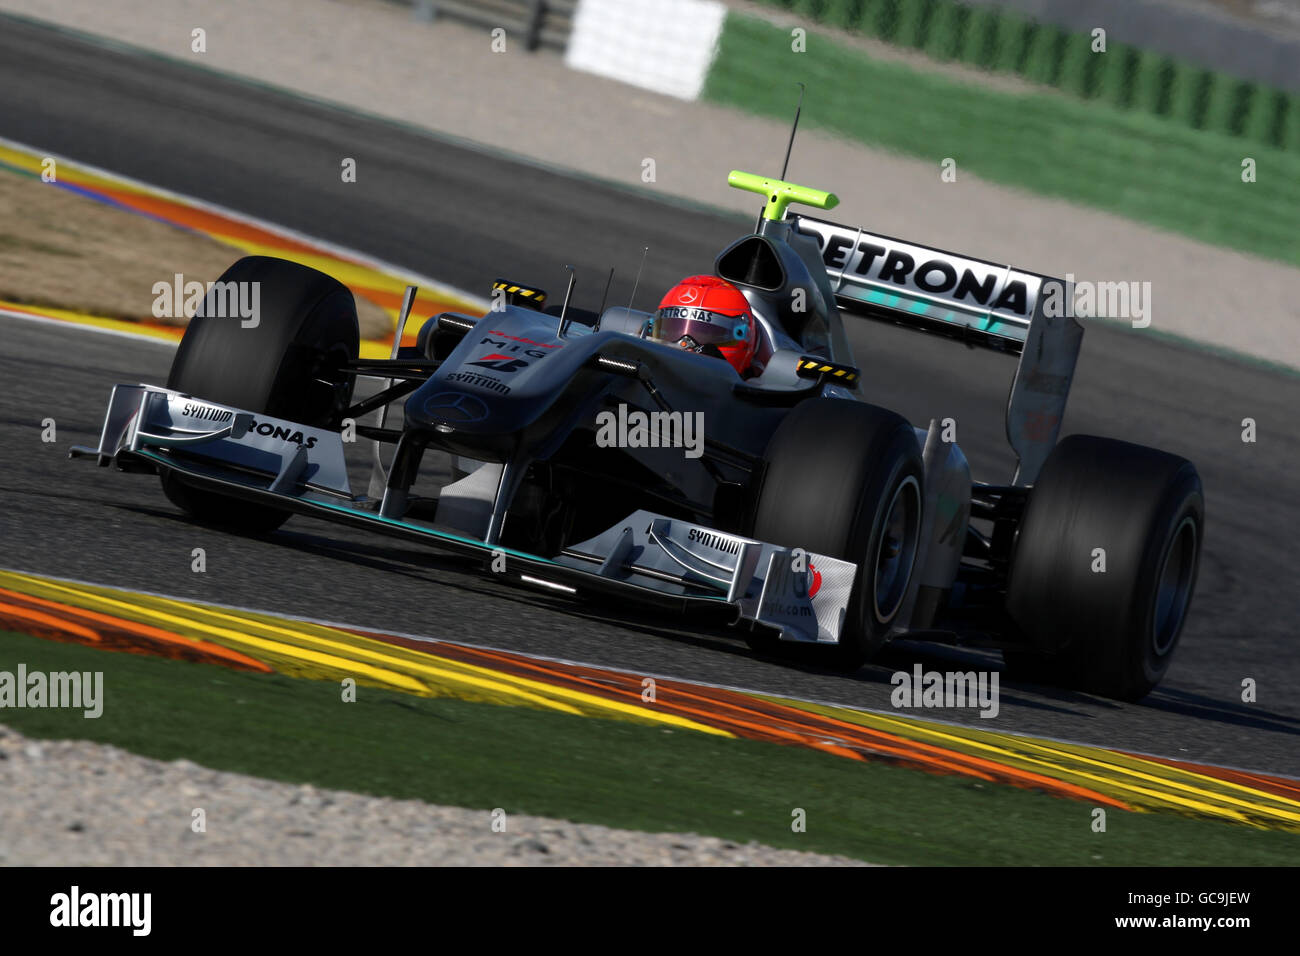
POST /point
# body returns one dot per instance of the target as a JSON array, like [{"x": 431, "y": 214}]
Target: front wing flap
[{"x": 655, "y": 559}]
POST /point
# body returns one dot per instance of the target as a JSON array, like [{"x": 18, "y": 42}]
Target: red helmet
[{"x": 705, "y": 310}]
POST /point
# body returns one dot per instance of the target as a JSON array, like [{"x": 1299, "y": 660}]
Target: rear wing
[{"x": 974, "y": 301}]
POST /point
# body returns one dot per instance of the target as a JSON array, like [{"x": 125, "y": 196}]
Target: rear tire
[
  {"x": 287, "y": 365},
  {"x": 1111, "y": 633},
  {"x": 845, "y": 479}
]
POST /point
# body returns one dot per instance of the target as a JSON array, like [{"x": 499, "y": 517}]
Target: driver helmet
[{"x": 710, "y": 315}]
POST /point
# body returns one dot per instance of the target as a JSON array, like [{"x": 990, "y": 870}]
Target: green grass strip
[
  {"x": 1147, "y": 168},
  {"x": 1003, "y": 41},
  {"x": 613, "y": 773}
]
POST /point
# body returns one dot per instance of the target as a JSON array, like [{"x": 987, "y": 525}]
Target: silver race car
[{"x": 592, "y": 455}]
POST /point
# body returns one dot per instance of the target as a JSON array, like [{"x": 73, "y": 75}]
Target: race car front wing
[{"x": 657, "y": 560}]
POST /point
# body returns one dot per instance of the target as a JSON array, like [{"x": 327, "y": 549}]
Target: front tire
[
  {"x": 845, "y": 479},
  {"x": 1104, "y": 566},
  {"x": 287, "y": 365}
]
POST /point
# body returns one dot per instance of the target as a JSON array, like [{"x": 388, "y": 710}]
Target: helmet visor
[{"x": 706, "y": 327}]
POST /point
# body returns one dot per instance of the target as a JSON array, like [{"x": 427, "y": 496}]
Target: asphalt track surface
[{"x": 465, "y": 217}]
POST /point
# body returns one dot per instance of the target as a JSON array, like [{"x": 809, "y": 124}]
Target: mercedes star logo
[{"x": 455, "y": 407}]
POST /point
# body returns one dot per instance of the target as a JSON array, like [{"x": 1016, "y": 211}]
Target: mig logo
[
  {"x": 508, "y": 349},
  {"x": 500, "y": 363}
]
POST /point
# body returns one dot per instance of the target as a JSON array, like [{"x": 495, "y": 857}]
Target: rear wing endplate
[{"x": 973, "y": 301}]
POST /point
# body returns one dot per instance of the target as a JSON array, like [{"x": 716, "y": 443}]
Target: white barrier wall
[{"x": 661, "y": 45}]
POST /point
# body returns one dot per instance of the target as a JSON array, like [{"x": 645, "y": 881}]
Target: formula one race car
[{"x": 822, "y": 525}]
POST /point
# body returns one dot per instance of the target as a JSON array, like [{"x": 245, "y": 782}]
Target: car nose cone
[{"x": 455, "y": 408}]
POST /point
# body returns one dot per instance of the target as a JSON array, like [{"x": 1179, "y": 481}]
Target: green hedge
[
  {"x": 1157, "y": 169},
  {"x": 1002, "y": 41}
]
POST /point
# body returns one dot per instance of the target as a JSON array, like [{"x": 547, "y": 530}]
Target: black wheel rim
[
  {"x": 896, "y": 550},
  {"x": 1174, "y": 587}
]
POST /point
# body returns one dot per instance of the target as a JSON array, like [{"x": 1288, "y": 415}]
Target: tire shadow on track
[
  {"x": 1200, "y": 707},
  {"x": 903, "y": 656}
]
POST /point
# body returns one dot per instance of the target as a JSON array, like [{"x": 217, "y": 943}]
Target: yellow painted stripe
[
  {"x": 1208, "y": 787},
  {"x": 1097, "y": 759},
  {"x": 82, "y": 318},
  {"x": 334, "y": 663},
  {"x": 1160, "y": 774},
  {"x": 370, "y": 348},
  {"x": 348, "y": 642},
  {"x": 369, "y": 649},
  {"x": 135, "y": 611},
  {"x": 1143, "y": 783},
  {"x": 1109, "y": 784},
  {"x": 1147, "y": 785},
  {"x": 341, "y": 649},
  {"x": 67, "y": 171}
]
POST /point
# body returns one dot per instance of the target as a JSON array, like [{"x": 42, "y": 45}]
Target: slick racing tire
[
  {"x": 287, "y": 365},
  {"x": 1104, "y": 566},
  {"x": 844, "y": 479}
]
